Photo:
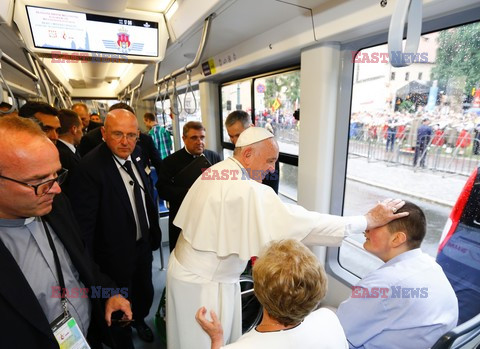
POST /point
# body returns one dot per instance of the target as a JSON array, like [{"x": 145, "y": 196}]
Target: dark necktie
[
  {"x": 77, "y": 154},
  {"x": 142, "y": 217}
]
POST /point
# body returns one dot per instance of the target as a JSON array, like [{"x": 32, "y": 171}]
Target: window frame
[
  {"x": 283, "y": 157},
  {"x": 344, "y": 102}
]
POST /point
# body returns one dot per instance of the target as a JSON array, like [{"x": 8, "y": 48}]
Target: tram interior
[{"x": 204, "y": 59}]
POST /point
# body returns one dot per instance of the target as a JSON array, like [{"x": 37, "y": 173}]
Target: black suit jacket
[
  {"x": 22, "y": 322},
  {"x": 105, "y": 215},
  {"x": 171, "y": 192},
  {"x": 145, "y": 142},
  {"x": 69, "y": 160},
  {"x": 92, "y": 125}
]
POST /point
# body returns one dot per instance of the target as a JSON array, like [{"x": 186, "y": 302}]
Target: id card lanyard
[
  {"x": 58, "y": 267},
  {"x": 65, "y": 328}
]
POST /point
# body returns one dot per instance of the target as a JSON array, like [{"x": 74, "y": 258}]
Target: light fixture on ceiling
[
  {"x": 114, "y": 84},
  {"x": 172, "y": 9}
]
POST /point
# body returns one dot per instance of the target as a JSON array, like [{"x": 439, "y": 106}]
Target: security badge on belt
[{"x": 67, "y": 333}]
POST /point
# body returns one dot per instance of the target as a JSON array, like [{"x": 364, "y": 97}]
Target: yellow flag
[{"x": 276, "y": 104}]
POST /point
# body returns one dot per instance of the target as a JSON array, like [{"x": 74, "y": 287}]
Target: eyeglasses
[
  {"x": 42, "y": 188},
  {"x": 118, "y": 136}
]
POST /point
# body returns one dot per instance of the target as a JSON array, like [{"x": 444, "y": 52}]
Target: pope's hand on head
[{"x": 385, "y": 212}]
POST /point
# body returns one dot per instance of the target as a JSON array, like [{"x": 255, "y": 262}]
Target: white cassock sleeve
[
  {"x": 241, "y": 216},
  {"x": 354, "y": 225}
]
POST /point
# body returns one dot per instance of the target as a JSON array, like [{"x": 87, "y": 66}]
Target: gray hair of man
[{"x": 238, "y": 115}]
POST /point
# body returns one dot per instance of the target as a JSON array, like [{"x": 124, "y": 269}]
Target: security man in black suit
[
  {"x": 113, "y": 202},
  {"x": 69, "y": 136},
  {"x": 94, "y": 138},
  {"x": 194, "y": 140},
  {"x": 37, "y": 224}
]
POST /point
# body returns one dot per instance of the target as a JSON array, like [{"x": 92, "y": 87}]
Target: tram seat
[
  {"x": 154, "y": 179},
  {"x": 466, "y": 335},
  {"x": 162, "y": 207},
  {"x": 252, "y": 310}
]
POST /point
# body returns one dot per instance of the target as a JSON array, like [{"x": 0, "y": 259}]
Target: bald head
[
  {"x": 119, "y": 114},
  {"x": 120, "y": 132},
  {"x": 28, "y": 157},
  {"x": 17, "y": 134}
]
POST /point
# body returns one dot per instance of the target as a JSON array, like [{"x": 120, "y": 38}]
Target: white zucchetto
[{"x": 252, "y": 135}]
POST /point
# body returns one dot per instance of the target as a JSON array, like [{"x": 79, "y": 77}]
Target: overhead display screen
[{"x": 77, "y": 31}]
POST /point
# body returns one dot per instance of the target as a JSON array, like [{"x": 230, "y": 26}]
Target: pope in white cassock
[{"x": 226, "y": 218}]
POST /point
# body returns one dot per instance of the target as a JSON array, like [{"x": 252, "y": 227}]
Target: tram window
[
  {"x": 276, "y": 99},
  {"x": 163, "y": 115},
  {"x": 235, "y": 96},
  {"x": 227, "y": 153},
  {"x": 288, "y": 182},
  {"x": 384, "y": 144},
  {"x": 189, "y": 110}
]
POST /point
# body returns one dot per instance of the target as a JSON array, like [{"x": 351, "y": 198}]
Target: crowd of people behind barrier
[{"x": 449, "y": 130}]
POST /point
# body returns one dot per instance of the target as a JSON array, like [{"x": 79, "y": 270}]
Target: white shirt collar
[
  {"x": 69, "y": 145},
  {"x": 121, "y": 161},
  {"x": 194, "y": 156}
]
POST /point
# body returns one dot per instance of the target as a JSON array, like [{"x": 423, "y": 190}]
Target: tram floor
[{"x": 159, "y": 277}]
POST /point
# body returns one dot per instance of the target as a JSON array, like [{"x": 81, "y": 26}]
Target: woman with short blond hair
[{"x": 289, "y": 282}]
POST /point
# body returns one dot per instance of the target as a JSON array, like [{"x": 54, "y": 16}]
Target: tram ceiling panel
[
  {"x": 121, "y": 5},
  {"x": 245, "y": 19},
  {"x": 234, "y": 22}
]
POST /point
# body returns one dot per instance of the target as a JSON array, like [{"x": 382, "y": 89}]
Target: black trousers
[
  {"x": 141, "y": 285},
  {"x": 140, "y": 294}
]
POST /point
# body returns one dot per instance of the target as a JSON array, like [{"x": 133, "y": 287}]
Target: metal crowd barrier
[{"x": 447, "y": 155}]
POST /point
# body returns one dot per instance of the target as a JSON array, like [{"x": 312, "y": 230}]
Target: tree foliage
[
  {"x": 458, "y": 56},
  {"x": 406, "y": 105},
  {"x": 284, "y": 87}
]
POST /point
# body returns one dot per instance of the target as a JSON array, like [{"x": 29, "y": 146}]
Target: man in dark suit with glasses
[{"x": 41, "y": 249}]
